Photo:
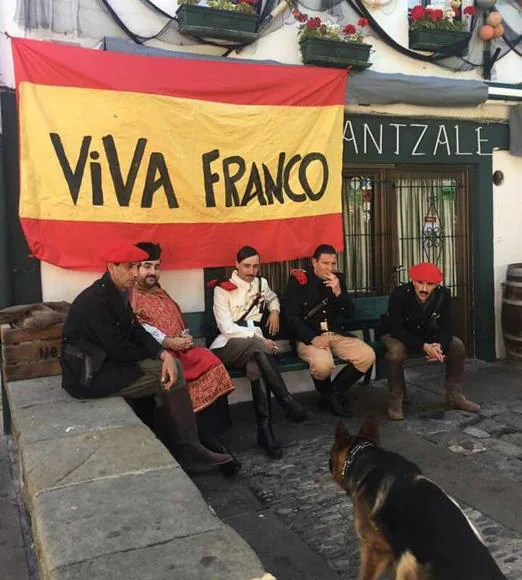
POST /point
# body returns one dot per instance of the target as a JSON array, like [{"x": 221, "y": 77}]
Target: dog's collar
[{"x": 351, "y": 456}]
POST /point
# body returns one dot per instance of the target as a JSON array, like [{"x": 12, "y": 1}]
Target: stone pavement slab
[
  {"x": 36, "y": 391},
  {"x": 69, "y": 418},
  {"x": 279, "y": 548},
  {"x": 98, "y": 454},
  {"x": 107, "y": 499},
  {"x": 221, "y": 555},
  {"x": 85, "y": 521}
]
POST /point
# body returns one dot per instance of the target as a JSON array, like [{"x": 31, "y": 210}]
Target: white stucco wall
[
  {"x": 507, "y": 225},
  {"x": 279, "y": 44}
]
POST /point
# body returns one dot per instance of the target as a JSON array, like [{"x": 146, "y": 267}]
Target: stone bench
[{"x": 107, "y": 500}]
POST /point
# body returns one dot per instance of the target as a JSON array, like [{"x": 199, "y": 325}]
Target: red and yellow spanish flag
[{"x": 200, "y": 156}]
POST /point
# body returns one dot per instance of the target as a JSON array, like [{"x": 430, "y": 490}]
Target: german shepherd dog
[{"x": 406, "y": 523}]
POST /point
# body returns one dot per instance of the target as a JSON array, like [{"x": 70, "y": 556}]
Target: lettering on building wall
[
  {"x": 242, "y": 183},
  {"x": 416, "y": 140}
]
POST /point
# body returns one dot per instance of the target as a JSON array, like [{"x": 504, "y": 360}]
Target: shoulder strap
[{"x": 255, "y": 302}]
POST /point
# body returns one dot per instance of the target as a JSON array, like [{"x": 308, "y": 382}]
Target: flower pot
[
  {"x": 335, "y": 53},
  {"x": 432, "y": 40},
  {"x": 203, "y": 21}
]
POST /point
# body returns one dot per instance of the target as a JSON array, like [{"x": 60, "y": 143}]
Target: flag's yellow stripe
[{"x": 178, "y": 132}]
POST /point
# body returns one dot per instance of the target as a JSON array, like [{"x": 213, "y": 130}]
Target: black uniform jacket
[
  {"x": 99, "y": 317},
  {"x": 407, "y": 321},
  {"x": 301, "y": 298}
]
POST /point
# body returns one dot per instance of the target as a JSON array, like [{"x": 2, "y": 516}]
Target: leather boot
[
  {"x": 397, "y": 387},
  {"x": 324, "y": 388},
  {"x": 262, "y": 410},
  {"x": 179, "y": 432},
  {"x": 456, "y": 400},
  {"x": 215, "y": 444},
  {"x": 345, "y": 378},
  {"x": 268, "y": 365}
]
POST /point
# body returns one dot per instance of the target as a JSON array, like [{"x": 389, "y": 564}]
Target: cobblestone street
[{"x": 301, "y": 523}]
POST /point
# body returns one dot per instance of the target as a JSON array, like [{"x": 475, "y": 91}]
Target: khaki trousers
[
  {"x": 347, "y": 348},
  {"x": 150, "y": 383}
]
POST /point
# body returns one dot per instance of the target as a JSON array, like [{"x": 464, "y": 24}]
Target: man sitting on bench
[
  {"x": 315, "y": 302},
  {"x": 419, "y": 321},
  {"x": 239, "y": 304},
  {"x": 208, "y": 381},
  {"x": 107, "y": 353}
]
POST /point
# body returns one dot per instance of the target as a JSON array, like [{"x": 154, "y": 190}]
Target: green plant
[
  {"x": 422, "y": 18},
  {"x": 244, "y": 6},
  {"x": 316, "y": 28}
]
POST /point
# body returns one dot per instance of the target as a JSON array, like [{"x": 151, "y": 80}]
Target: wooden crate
[{"x": 27, "y": 354}]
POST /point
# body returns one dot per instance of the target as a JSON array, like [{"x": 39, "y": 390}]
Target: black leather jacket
[
  {"x": 407, "y": 320},
  {"x": 301, "y": 298},
  {"x": 100, "y": 320}
]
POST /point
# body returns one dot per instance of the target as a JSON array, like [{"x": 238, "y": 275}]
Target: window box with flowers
[
  {"x": 435, "y": 29},
  {"x": 221, "y": 19},
  {"x": 327, "y": 44}
]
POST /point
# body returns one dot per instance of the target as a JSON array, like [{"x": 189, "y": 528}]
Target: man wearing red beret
[
  {"x": 106, "y": 352},
  {"x": 419, "y": 321}
]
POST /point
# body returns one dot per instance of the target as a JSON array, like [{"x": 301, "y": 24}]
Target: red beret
[
  {"x": 426, "y": 272},
  {"x": 124, "y": 252}
]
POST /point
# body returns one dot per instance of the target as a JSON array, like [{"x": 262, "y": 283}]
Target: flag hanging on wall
[{"x": 201, "y": 156}]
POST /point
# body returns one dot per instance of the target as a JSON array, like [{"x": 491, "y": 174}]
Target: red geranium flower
[
  {"x": 362, "y": 22},
  {"x": 470, "y": 10},
  {"x": 430, "y": 15},
  {"x": 418, "y": 13},
  {"x": 314, "y": 23},
  {"x": 300, "y": 276},
  {"x": 438, "y": 14},
  {"x": 349, "y": 29}
]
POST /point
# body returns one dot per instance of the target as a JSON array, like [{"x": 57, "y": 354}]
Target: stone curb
[{"x": 107, "y": 500}]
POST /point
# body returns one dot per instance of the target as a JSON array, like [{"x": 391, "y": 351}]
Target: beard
[{"x": 149, "y": 282}]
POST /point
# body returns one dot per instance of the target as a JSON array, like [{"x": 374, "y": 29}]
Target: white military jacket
[{"x": 229, "y": 305}]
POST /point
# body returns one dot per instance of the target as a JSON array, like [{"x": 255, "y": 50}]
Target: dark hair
[
  {"x": 246, "y": 252},
  {"x": 323, "y": 249}
]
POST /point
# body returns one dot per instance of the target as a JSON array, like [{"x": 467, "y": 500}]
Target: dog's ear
[
  {"x": 342, "y": 437},
  {"x": 370, "y": 429}
]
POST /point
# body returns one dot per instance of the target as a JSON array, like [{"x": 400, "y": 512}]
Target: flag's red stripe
[
  {"x": 54, "y": 64},
  {"x": 76, "y": 245}
]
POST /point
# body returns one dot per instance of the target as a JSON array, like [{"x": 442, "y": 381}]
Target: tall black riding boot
[
  {"x": 268, "y": 365},
  {"x": 262, "y": 410},
  {"x": 180, "y": 434},
  {"x": 324, "y": 388},
  {"x": 342, "y": 382}
]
